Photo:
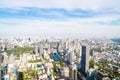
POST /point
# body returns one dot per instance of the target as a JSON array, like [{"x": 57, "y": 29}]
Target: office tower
[
  {"x": 0, "y": 73},
  {"x": 1, "y": 58},
  {"x": 56, "y": 57},
  {"x": 66, "y": 45},
  {"x": 80, "y": 51},
  {"x": 91, "y": 53},
  {"x": 101, "y": 76},
  {"x": 85, "y": 59},
  {"x": 29, "y": 39},
  {"x": 71, "y": 57},
  {"x": 58, "y": 46},
  {"x": 41, "y": 49},
  {"x": 73, "y": 72},
  {"x": 79, "y": 54},
  {"x": 65, "y": 72},
  {"x": 11, "y": 59},
  {"x": 6, "y": 77},
  {"x": 36, "y": 49}
]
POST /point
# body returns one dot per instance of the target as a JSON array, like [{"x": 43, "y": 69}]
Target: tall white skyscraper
[
  {"x": 41, "y": 49},
  {"x": 36, "y": 49},
  {"x": 73, "y": 72},
  {"x": 71, "y": 56}
]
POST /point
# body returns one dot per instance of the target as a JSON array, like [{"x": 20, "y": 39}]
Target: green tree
[{"x": 91, "y": 63}]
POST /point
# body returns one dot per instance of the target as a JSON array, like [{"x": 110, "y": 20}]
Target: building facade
[{"x": 85, "y": 59}]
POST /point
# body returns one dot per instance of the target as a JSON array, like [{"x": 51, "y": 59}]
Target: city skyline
[{"x": 60, "y": 18}]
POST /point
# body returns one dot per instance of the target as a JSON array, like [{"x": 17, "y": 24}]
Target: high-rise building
[
  {"x": 1, "y": 58},
  {"x": 71, "y": 57},
  {"x": 11, "y": 58},
  {"x": 65, "y": 72},
  {"x": 56, "y": 57},
  {"x": 0, "y": 73},
  {"x": 73, "y": 72},
  {"x": 101, "y": 76},
  {"x": 40, "y": 50},
  {"x": 80, "y": 51},
  {"x": 36, "y": 49},
  {"x": 85, "y": 59}
]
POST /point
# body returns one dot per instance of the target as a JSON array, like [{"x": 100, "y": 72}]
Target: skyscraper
[
  {"x": 41, "y": 49},
  {"x": 36, "y": 49},
  {"x": 71, "y": 56},
  {"x": 0, "y": 73},
  {"x": 85, "y": 59},
  {"x": 1, "y": 58},
  {"x": 73, "y": 72}
]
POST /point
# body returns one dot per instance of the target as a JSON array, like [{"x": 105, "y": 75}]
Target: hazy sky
[{"x": 60, "y": 17}]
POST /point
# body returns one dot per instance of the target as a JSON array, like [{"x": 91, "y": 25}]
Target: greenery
[
  {"x": 91, "y": 63},
  {"x": 110, "y": 71},
  {"x": 55, "y": 63},
  {"x": 79, "y": 74},
  {"x": 46, "y": 59},
  {"x": 106, "y": 49},
  {"x": 1, "y": 51},
  {"x": 20, "y": 50},
  {"x": 55, "y": 73},
  {"x": 20, "y": 75},
  {"x": 29, "y": 74},
  {"x": 97, "y": 50},
  {"x": 35, "y": 61}
]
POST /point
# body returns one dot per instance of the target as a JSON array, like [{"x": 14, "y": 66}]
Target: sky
[{"x": 89, "y": 18}]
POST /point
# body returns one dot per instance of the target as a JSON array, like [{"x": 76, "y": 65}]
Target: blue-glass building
[
  {"x": 56, "y": 57},
  {"x": 15, "y": 70},
  {"x": 39, "y": 66},
  {"x": 85, "y": 59}
]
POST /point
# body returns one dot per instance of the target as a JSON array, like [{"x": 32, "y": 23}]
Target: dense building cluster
[{"x": 59, "y": 59}]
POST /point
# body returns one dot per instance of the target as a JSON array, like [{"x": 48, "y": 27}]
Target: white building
[
  {"x": 73, "y": 72},
  {"x": 65, "y": 72}
]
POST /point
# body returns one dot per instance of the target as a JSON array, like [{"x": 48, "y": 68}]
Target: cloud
[
  {"x": 85, "y": 16},
  {"x": 72, "y": 27},
  {"x": 66, "y": 4},
  {"x": 60, "y": 17}
]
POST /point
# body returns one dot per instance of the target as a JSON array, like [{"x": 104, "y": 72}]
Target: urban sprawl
[{"x": 59, "y": 59}]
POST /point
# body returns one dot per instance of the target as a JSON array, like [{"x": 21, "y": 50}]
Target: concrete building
[
  {"x": 41, "y": 49},
  {"x": 80, "y": 51},
  {"x": 73, "y": 72},
  {"x": 65, "y": 72},
  {"x": 85, "y": 59},
  {"x": 0, "y": 73},
  {"x": 1, "y": 58},
  {"x": 100, "y": 76},
  {"x": 36, "y": 50},
  {"x": 6, "y": 77},
  {"x": 70, "y": 58}
]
